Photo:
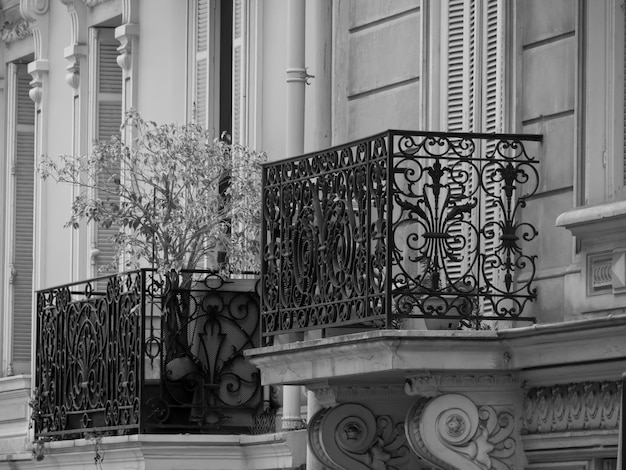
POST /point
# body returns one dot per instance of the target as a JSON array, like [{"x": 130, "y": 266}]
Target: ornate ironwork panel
[
  {"x": 87, "y": 371},
  {"x": 152, "y": 353},
  {"x": 325, "y": 238},
  {"x": 198, "y": 327},
  {"x": 403, "y": 224}
]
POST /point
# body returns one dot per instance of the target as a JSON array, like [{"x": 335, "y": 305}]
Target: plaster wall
[
  {"x": 547, "y": 105},
  {"x": 56, "y": 198},
  {"x": 376, "y": 68},
  {"x": 162, "y": 83}
]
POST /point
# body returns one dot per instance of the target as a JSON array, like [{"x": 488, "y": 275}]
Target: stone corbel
[
  {"x": 126, "y": 34},
  {"x": 74, "y": 54},
  {"x": 38, "y": 69},
  {"x": 349, "y": 436},
  {"x": 451, "y": 432}
]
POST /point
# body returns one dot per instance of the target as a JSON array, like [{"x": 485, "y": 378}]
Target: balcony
[
  {"x": 398, "y": 227},
  {"x": 141, "y": 352}
]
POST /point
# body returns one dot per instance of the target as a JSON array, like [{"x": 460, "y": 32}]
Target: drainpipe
[
  {"x": 296, "y": 81},
  {"x": 318, "y": 115}
]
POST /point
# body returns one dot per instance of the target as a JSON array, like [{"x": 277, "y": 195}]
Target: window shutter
[
  {"x": 239, "y": 83},
  {"x": 201, "y": 83},
  {"x": 492, "y": 121},
  {"x": 23, "y": 228},
  {"x": 474, "y": 103},
  {"x": 109, "y": 119},
  {"x": 459, "y": 101}
]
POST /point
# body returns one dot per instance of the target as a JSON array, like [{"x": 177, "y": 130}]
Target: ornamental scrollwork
[
  {"x": 452, "y": 433},
  {"x": 350, "y": 436},
  {"x": 14, "y": 30},
  {"x": 572, "y": 407}
]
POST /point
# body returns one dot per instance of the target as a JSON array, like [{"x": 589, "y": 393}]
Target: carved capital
[
  {"x": 452, "y": 433},
  {"x": 572, "y": 407},
  {"x": 349, "y": 436}
]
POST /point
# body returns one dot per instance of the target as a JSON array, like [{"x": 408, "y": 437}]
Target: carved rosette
[
  {"x": 572, "y": 407},
  {"x": 350, "y": 436},
  {"x": 452, "y": 433}
]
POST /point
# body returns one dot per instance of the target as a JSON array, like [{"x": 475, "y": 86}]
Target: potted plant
[{"x": 179, "y": 196}]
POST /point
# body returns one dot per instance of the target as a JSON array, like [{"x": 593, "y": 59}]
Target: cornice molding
[
  {"x": 430, "y": 385},
  {"x": 572, "y": 407}
]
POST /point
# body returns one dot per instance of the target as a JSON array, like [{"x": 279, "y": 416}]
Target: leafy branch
[{"x": 176, "y": 194}]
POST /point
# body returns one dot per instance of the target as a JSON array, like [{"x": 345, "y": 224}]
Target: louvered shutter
[
  {"x": 201, "y": 82},
  {"x": 23, "y": 228},
  {"x": 474, "y": 103},
  {"x": 239, "y": 71},
  {"x": 459, "y": 98},
  {"x": 492, "y": 121},
  {"x": 108, "y": 121}
]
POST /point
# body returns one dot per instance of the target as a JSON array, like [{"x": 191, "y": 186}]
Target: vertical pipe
[{"x": 296, "y": 81}]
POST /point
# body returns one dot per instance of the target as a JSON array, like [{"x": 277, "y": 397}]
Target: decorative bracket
[
  {"x": 452, "y": 433},
  {"x": 350, "y": 437},
  {"x": 125, "y": 34}
]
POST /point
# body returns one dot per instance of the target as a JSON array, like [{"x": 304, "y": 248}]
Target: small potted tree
[{"x": 178, "y": 197}]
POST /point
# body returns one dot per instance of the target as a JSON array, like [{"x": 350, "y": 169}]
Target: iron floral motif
[{"x": 403, "y": 224}]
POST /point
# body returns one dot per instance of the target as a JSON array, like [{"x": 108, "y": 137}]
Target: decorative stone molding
[
  {"x": 452, "y": 433},
  {"x": 38, "y": 69},
  {"x": 426, "y": 385},
  {"x": 74, "y": 54},
  {"x": 349, "y": 436},
  {"x": 572, "y": 407},
  {"x": 125, "y": 34},
  {"x": 93, "y": 3},
  {"x": 14, "y": 30}
]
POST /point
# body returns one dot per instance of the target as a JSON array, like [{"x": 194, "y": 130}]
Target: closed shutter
[
  {"x": 492, "y": 121},
  {"x": 201, "y": 71},
  {"x": 460, "y": 98},
  {"x": 474, "y": 102},
  {"x": 23, "y": 228},
  {"x": 239, "y": 72},
  {"x": 109, "y": 119}
]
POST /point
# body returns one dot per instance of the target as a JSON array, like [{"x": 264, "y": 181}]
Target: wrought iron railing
[
  {"x": 149, "y": 354},
  {"x": 399, "y": 225}
]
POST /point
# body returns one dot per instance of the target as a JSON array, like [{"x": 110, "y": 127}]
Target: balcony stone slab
[
  {"x": 540, "y": 354},
  {"x": 383, "y": 355},
  {"x": 166, "y": 451}
]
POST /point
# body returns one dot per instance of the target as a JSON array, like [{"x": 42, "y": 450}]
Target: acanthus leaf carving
[
  {"x": 350, "y": 437},
  {"x": 14, "y": 30},
  {"x": 452, "y": 433}
]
